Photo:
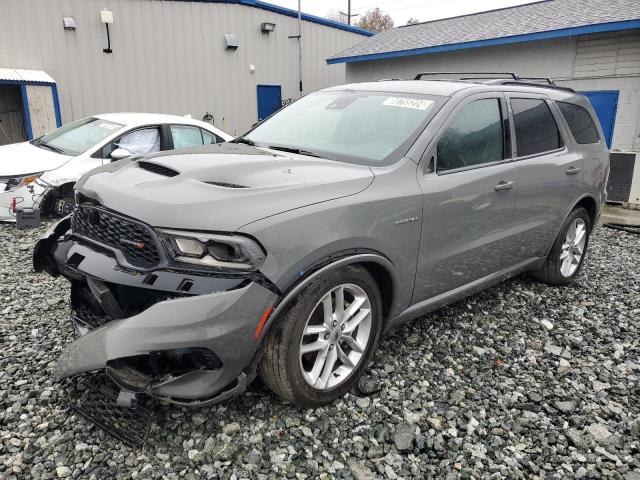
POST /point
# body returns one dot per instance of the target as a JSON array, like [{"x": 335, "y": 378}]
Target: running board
[{"x": 439, "y": 301}]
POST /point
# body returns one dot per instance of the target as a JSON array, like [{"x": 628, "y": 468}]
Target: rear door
[
  {"x": 469, "y": 198},
  {"x": 549, "y": 172}
]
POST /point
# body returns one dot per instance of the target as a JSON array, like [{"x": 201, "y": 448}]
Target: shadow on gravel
[{"x": 520, "y": 381}]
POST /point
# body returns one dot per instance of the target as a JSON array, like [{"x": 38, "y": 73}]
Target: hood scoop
[
  {"x": 159, "y": 169},
  {"x": 227, "y": 185}
]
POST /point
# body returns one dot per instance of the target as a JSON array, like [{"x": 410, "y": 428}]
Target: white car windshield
[
  {"x": 370, "y": 128},
  {"x": 77, "y": 137}
]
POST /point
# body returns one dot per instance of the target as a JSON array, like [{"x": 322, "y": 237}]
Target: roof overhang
[
  {"x": 294, "y": 13},
  {"x": 528, "y": 37},
  {"x": 21, "y": 76}
]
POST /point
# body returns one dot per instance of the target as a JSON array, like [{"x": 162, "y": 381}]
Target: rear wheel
[
  {"x": 567, "y": 254},
  {"x": 316, "y": 352}
]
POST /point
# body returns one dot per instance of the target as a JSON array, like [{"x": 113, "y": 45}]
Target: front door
[
  {"x": 605, "y": 103},
  {"x": 469, "y": 199},
  {"x": 269, "y": 100}
]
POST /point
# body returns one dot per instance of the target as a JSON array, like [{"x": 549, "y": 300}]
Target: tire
[
  {"x": 555, "y": 271},
  {"x": 288, "y": 373}
]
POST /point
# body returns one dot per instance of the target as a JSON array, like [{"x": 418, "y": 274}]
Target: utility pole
[
  {"x": 348, "y": 14},
  {"x": 299, "y": 37},
  {"x": 300, "y": 45}
]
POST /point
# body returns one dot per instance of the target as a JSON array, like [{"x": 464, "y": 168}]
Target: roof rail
[
  {"x": 523, "y": 83},
  {"x": 512, "y": 75}
]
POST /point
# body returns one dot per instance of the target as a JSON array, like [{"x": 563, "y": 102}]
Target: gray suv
[{"x": 287, "y": 252}]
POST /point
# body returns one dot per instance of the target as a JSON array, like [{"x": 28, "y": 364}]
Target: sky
[{"x": 402, "y": 10}]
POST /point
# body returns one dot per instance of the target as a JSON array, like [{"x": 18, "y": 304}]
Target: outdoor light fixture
[
  {"x": 267, "y": 27},
  {"x": 230, "y": 41},
  {"x": 106, "y": 17},
  {"x": 69, "y": 23}
]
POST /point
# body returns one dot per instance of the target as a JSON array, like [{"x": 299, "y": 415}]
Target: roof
[
  {"x": 535, "y": 21},
  {"x": 424, "y": 87},
  {"x": 134, "y": 119},
  {"x": 293, "y": 13},
  {"x": 17, "y": 75},
  {"x": 448, "y": 88}
]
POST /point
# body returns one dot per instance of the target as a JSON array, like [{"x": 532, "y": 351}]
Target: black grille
[
  {"x": 133, "y": 239},
  {"x": 159, "y": 169}
]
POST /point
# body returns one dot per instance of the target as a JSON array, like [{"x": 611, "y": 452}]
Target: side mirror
[{"x": 120, "y": 153}]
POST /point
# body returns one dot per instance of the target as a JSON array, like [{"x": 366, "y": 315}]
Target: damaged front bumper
[{"x": 147, "y": 332}]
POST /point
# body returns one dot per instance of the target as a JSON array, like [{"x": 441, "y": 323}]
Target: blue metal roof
[{"x": 536, "y": 21}]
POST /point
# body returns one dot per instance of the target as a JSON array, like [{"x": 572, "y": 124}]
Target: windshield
[
  {"x": 77, "y": 137},
  {"x": 368, "y": 128}
]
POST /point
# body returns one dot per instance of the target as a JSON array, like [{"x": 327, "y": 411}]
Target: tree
[
  {"x": 336, "y": 16},
  {"x": 412, "y": 21},
  {"x": 376, "y": 21}
]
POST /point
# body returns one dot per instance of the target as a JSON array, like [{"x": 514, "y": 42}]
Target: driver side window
[
  {"x": 474, "y": 137},
  {"x": 136, "y": 142}
]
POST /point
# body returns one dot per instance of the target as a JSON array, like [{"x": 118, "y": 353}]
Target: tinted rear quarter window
[
  {"x": 536, "y": 129},
  {"x": 580, "y": 123}
]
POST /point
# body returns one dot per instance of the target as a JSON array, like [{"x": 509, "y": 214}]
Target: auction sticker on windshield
[
  {"x": 109, "y": 125},
  {"x": 415, "y": 103}
]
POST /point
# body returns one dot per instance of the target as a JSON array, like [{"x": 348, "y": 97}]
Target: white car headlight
[
  {"x": 13, "y": 182},
  {"x": 233, "y": 252}
]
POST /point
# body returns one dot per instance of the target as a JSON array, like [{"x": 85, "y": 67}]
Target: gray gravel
[{"x": 521, "y": 381}]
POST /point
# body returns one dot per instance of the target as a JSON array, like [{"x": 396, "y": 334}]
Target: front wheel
[
  {"x": 316, "y": 352},
  {"x": 569, "y": 249}
]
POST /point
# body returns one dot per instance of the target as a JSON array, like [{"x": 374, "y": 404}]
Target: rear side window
[
  {"x": 474, "y": 137},
  {"x": 580, "y": 123},
  {"x": 185, "y": 136},
  {"x": 536, "y": 129}
]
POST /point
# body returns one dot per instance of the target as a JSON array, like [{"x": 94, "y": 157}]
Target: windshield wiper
[
  {"x": 246, "y": 141},
  {"x": 299, "y": 151},
  {"x": 39, "y": 143}
]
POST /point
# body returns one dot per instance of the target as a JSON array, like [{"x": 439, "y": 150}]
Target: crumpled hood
[
  {"x": 20, "y": 158},
  {"x": 221, "y": 187}
]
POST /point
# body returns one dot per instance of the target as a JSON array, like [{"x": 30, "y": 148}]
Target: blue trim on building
[
  {"x": 294, "y": 13},
  {"x": 56, "y": 104},
  {"x": 25, "y": 110},
  {"x": 23, "y": 82},
  {"x": 529, "y": 37}
]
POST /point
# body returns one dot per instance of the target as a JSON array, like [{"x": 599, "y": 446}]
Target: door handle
[
  {"x": 503, "y": 186},
  {"x": 572, "y": 170}
]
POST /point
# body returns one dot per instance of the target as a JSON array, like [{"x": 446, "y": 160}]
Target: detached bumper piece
[{"x": 97, "y": 399}]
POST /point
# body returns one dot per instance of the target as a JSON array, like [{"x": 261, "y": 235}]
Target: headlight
[
  {"x": 12, "y": 183},
  {"x": 233, "y": 252}
]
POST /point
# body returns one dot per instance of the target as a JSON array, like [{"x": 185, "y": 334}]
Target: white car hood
[{"x": 21, "y": 158}]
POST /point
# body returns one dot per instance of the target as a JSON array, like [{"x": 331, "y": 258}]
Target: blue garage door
[
  {"x": 605, "y": 103},
  {"x": 269, "y": 100}
]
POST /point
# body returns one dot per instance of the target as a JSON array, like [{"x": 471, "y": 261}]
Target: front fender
[{"x": 362, "y": 258}]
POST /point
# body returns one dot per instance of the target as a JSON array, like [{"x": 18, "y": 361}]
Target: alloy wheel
[
  {"x": 335, "y": 336},
  {"x": 573, "y": 247}
]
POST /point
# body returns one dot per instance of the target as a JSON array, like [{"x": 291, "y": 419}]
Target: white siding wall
[
  {"x": 608, "y": 61},
  {"x": 168, "y": 56}
]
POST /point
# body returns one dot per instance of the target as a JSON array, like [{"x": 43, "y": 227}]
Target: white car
[{"x": 41, "y": 173}]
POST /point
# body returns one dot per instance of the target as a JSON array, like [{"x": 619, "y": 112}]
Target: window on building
[
  {"x": 580, "y": 123},
  {"x": 535, "y": 128},
  {"x": 474, "y": 137}
]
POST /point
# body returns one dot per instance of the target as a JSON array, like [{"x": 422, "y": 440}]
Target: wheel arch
[
  {"x": 590, "y": 205},
  {"x": 587, "y": 202},
  {"x": 380, "y": 268}
]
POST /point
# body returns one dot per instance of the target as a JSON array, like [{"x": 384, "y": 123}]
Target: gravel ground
[{"x": 521, "y": 381}]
